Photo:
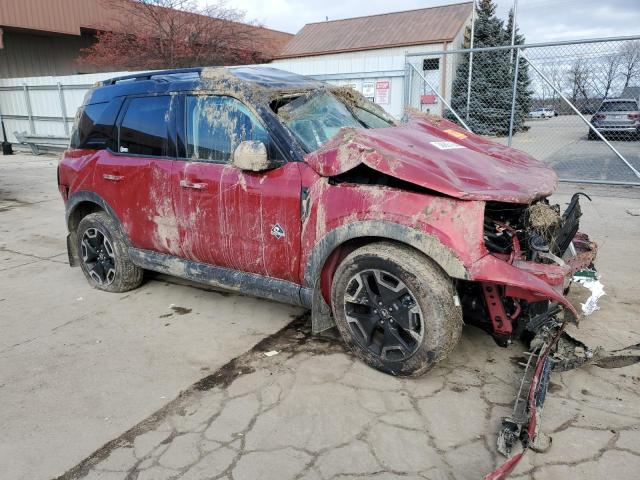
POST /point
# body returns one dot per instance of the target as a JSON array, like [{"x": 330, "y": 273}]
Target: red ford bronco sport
[{"x": 261, "y": 181}]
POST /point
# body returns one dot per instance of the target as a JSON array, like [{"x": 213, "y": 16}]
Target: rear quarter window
[
  {"x": 87, "y": 125},
  {"x": 144, "y": 127}
]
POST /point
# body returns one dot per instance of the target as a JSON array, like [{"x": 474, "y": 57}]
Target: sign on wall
[
  {"x": 368, "y": 90},
  {"x": 383, "y": 91}
]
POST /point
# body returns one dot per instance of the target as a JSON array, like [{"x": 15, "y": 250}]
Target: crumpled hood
[{"x": 438, "y": 155}]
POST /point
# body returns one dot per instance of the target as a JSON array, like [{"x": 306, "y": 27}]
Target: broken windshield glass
[{"x": 314, "y": 119}]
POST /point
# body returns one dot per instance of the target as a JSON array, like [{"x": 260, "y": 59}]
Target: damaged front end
[
  {"x": 547, "y": 245},
  {"x": 534, "y": 253}
]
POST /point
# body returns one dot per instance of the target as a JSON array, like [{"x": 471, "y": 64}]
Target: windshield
[
  {"x": 314, "y": 119},
  {"x": 627, "y": 106}
]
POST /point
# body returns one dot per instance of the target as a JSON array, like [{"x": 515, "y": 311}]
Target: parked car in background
[
  {"x": 543, "y": 113},
  {"x": 618, "y": 117}
]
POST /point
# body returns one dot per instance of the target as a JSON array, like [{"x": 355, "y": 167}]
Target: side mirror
[{"x": 252, "y": 155}]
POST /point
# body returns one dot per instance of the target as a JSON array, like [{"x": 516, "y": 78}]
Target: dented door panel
[
  {"x": 261, "y": 218},
  {"x": 228, "y": 220}
]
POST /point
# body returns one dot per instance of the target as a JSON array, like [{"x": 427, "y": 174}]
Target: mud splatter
[{"x": 181, "y": 310}]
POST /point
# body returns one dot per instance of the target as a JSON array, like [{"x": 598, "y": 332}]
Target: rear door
[
  {"x": 247, "y": 221},
  {"x": 137, "y": 178}
]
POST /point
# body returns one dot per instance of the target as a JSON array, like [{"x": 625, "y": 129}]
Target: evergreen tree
[{"x": 492, "y": 78}]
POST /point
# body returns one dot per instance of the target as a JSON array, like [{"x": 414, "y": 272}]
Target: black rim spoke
[
  {"x": 98, "y": 256},
  {"x": 369, "y": 281},
  {"x": 393, "y": 341},
  {"x": 366, "y": 324},
  {"x": 383, "y": 315}
]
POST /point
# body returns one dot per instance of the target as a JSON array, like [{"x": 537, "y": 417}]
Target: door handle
[
  {"x": 194, "y": 185},
  {"x": 112, "y": 177}
]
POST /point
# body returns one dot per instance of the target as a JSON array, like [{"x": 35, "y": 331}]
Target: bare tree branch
[
  {"x": 630, "y": 61},
  {"x": 145, "y": 34}
]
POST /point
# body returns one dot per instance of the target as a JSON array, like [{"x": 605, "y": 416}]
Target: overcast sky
[{"x": 539, "y": 20}]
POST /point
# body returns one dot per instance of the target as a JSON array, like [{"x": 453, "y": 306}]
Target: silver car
[{"x": 617, "y": 116}]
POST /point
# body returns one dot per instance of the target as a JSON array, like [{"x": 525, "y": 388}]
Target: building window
[{"x": 431, "y": 64}]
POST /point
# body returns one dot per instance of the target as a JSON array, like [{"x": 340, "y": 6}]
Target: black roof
[{"x": 185, "y": 79}]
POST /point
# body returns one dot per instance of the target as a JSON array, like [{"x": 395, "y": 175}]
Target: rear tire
[
  {"x": 395, "y": 308},
  {"x": 104, "y": 255}
]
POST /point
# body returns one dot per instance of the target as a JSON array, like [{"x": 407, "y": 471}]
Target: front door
[{"x": 247, "y": 221}]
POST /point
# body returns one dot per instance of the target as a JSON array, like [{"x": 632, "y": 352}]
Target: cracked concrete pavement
[{"x": 314, "y": 412}]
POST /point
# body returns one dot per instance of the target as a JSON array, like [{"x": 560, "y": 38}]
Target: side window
[
  {"x": 216, "y": 125},
  {"x": 143, "y": 130}
]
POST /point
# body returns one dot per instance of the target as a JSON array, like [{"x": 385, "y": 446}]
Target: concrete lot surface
[{"x": 108, "y": 386}]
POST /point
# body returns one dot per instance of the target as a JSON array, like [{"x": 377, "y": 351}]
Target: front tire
[
  {"x": 104, "y": 256},
  {"x": 395, "y": 308}
]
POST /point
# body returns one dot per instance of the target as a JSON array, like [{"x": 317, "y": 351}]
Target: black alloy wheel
[
  {"x": 383, "y": 315},
  {"x": 98, "y": 256}
]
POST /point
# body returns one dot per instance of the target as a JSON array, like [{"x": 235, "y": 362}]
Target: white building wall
[{"x": 355, "y": 68}]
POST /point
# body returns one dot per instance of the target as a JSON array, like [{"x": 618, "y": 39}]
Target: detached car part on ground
[{"x": 272, "y": 184}]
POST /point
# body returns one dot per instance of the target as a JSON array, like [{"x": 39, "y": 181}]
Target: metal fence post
[
  {"x": 444, "y": 102},
  {"x": 27, "y": 101},
  {"x": 63, "y": 109},
  {"x": 407, "y": 83},
  {"x": 473, "y": 29},
  {"x": 595, "y": 130},
  {"x": 514, "y": 95}
]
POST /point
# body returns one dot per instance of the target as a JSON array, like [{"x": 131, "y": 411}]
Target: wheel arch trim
[
  {"x": 79, "y": 198},
  {"x": 429, "y": 245},
  {"x": 84, "y": 196}
]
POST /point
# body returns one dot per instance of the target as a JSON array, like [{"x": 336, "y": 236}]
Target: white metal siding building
[{"x": 373, "y": 60}]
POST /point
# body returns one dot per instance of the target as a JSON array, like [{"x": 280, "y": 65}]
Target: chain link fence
[{"x": 573, "y": 105}]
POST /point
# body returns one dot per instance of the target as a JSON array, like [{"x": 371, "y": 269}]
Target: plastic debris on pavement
[
  {"x": 590, "y": 280},
  {"x": 271, "y": 353}
]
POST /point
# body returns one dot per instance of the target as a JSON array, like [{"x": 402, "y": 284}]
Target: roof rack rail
[{"x": 155, "y": 74}]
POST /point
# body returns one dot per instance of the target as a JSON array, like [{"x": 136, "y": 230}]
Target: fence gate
[{"x": 573, "y": 105}]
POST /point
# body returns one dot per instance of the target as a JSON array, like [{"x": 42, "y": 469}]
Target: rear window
[
  {"x": 144, "y": 128},
  {"x": 85, "y": 124},
  {"x": 619, "y": 107}
]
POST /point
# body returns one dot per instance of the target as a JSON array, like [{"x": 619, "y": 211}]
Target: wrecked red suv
[{"x": 272, "y": 184}]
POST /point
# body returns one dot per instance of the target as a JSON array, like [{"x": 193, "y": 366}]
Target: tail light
[
  {"x": 634, "y": 116},
  {"x": 600, "y": 116}
]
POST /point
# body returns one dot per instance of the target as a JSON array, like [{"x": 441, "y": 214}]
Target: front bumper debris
[{"x": 553, "y": 350}]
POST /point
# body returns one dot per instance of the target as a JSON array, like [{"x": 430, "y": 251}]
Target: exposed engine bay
[{"x": 539, "y": 239}]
